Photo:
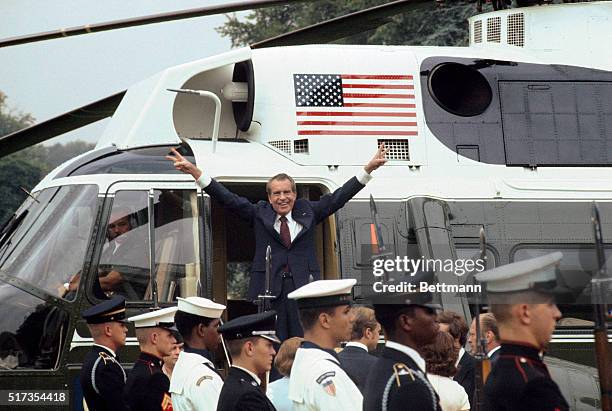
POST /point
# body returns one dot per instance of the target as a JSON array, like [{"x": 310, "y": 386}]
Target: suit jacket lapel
[
  {"x": 269, "y": 217},
  {"x": 303, "y": 216}
]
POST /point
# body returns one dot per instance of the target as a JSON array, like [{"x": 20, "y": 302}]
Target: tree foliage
[
  {"x": 25, "y": 168},
  {"x": 445, "y": 26}
]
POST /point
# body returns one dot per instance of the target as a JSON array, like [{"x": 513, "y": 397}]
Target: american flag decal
[{"x": 355, "y": 104}]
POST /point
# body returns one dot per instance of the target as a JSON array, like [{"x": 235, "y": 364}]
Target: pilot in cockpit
[{"x": 123, "y": 266}]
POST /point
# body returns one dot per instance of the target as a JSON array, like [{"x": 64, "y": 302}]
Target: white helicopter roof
[{"x": 574, "y": 34}]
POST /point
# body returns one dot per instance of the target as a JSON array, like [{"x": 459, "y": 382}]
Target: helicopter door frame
[{"x": 204, "y": 251}]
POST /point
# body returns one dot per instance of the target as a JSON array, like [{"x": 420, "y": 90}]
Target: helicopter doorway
[{"x": 233, "y": 244}]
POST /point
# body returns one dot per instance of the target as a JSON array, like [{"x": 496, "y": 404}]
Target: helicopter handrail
[
  {"x": 152, "y": 272},
  {"x": 217, "y": 101}
]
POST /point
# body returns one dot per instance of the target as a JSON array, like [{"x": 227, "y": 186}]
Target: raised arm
[
  {"x": 238, "y": 204},
  {"x": 330, "y": 203}
]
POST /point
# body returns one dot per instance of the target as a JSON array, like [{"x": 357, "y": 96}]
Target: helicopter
[{"x": 510, "y": 133}]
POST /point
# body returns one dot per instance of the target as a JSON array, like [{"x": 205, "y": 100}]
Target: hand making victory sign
[{"x": 184, "y": 165}]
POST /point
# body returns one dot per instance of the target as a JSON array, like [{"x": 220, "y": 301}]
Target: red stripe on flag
[
  {"x": 387, "y": 105},
  {"x": 377, "y": 76},
  {"x": 359, "y": 95},
  {"x": 353, "y": 114},
  {"x": 383, "y": 86},
  {"x": 357, "y": 123},
  {"x": 355, "y": 132}
]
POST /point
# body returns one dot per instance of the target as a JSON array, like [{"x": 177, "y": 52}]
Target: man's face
[
  {"x": 118, "y": 333},
  {"x": 472, "y": 339},
  {"x": 165, "y": 342},
  {"x": 174, "y": 354},
  {"x": 211, "y": 335},
  {"x": 118, "y": 226},
  {"x": 545, "y": 317},
  {"x": 281, "y": 196},
  {"x": 341, "y": 322},
  {"x": 424, "y": 326},
  {"x": 373, "y": 341},
  {"x": 263, "y": 355}
]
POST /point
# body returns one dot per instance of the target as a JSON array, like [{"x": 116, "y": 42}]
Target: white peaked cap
[
  {"x": 534, "y": 274},
  {"x": 202, "y": 307},
  {"x": 163, "y": 318}
]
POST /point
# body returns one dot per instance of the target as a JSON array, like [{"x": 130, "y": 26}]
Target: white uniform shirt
[
  {"x": 490, "y": 353},
  {"x": 194, "y": 386},
  {"x": 318, "y": 383},
  {"x": 452, "y": 395}
]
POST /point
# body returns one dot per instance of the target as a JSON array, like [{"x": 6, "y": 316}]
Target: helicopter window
[
  {"x": 460, "y": 89},
  {"x": 124, "y": 261},
  {"x": 473, "y": 253},
  {"x": 31, "y": 336},
  {"x": 47, "y": 248},
  {"x": 576, "y": 270},
  {"x": 148, "y": 160}
]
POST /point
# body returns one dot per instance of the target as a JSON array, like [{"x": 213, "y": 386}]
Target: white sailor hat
[
  {"x": 536, "y": 274},
  {"x": 162, "y": 318},
  {"x": 324, "y": 293},
  {"x": 202, "y": 307}
]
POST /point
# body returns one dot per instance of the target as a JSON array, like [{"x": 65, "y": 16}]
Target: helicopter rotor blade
[
  {"x": 324, "y": 32},
  {"x": 141, "y": 21},
  {"x": 345, "y": 26},
  {"x": 61, "y": 124}
]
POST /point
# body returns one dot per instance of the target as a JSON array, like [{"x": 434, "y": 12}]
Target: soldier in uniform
[
  {"x": 195, "y": 383},
  {"x": 249, "y": 340},
  {"x": 398, "y": 378},
  {"x": 147, "y": 386},
  {"x": 521, "y": 296},
  {"x": 102, "y": 377},
  {"x": 318, "y": 381}
]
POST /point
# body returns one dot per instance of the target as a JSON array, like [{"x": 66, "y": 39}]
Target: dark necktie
[{"x": 285, "y": 235}]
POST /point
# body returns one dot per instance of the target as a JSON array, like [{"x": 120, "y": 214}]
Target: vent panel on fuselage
[{"x": 539, "y": 114}]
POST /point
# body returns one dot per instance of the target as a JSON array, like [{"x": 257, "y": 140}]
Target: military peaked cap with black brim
[
  {"x": 162, "y": 318},
  {"x": 540, "y": 275},
  {"x": 405, "y": 297},
  {"x": 106, "y": 311},
  {"x": 254, "y": 325}
]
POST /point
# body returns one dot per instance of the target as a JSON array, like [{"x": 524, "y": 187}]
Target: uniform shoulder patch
[
  {"x": 202, "y": 379},
  {"x": 325, "y": 375},
  {"x": 326, "y": 382}
]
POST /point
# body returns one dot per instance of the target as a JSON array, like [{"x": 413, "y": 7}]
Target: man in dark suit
[
  {"x": 102, "y": 376},
  {"x": 398, "y": 380},
  {"x": 490, "y": 333},
  {"x": 355, "y": 358},
  {"x": 287, "y": 224},
  {"x": 249, "y": 340},
  {"x": 456, "y": 326}
]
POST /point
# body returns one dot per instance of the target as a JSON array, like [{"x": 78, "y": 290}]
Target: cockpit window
[
  {"x": 124, "y": 262},
  {"x": 46, "y": 248}
]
